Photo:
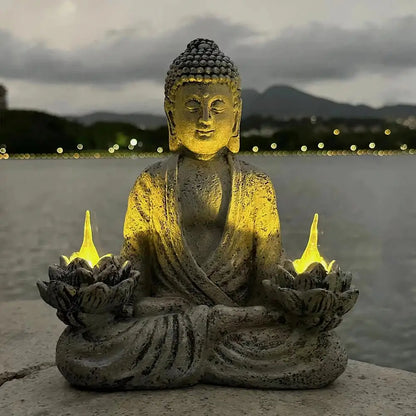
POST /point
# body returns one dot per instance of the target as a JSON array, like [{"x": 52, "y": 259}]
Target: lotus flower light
[
  {"x": 310, "y": 291},
  {"x": 87, "y": 283}
]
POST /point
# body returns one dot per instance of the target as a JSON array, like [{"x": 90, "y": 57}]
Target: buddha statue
[{"x": 212, "y": 299}]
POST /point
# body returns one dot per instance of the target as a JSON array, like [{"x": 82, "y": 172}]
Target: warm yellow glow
[
  {"x": 59, "y": 150},
  {"x": 2, "y": 150},
  {"x": 80, "y": 146},
  {"x": 311, "y": 253},
  {"x": 336, "y": 132},
  {"x": 255, "y": 149},
  {"x": 372, "y": 145},
  {"x": 273, "y": 146},
  {"x": 304, "y": 148},
  {"x": 116, "y": 146},
  {"x": 387, "y": 132},
  {"x": 353, "y": 147},
  {"x": 133, "y": 142},
  {"x": 159, "y": 150},
  {"x": 403, "y": 147},
  {"x": 321, "y": 145},
  {"x": 87, "y": 251},
  {"x": 111, "y": 150}
]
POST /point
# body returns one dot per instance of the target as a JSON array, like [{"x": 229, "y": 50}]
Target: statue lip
[{"x": 205, "y": 132}]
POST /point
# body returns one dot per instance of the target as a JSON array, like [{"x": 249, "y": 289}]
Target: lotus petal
[
  {"x": 317, "y": 271},
  {"x": 63, "y": 261},
  {"x": 288, "y": 299},
  {"x": 347, "y": 300},
  {"x": 288, "y": 265},
  {"x": 283, "y": 278},
  {"x": 334, "y": 282},
  {"x": 318, "y": 301},
  {"x": 79, "y": 276},
  {"x": 304, "y": 281},
  {"x": 56, "y": 272},
  {"x": 43, "y": 291},
  {"x": 346, "y": 281},
  {"x": 93, "y": 299},
  {"x": 61, "y": 294},
  {"x": 103, "y": 263},
  {"x": 124, "y": 272},
  {"x": 121, "y": 293},
  {"x": 108, "y": 275},
  {"x": 77, "y": 263}
]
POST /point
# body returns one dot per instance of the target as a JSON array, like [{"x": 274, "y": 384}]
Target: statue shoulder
[
  {"x": 254, "y": 176},
  {"x": 152, "y": 175}
]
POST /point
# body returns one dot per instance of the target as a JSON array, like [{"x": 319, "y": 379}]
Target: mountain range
[{"x": 279, "y": 101}]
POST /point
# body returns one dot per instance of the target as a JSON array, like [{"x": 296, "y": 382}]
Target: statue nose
[{"x": 205, "y": 117}]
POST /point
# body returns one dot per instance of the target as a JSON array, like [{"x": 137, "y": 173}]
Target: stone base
[{"x": 32, "y": 385}]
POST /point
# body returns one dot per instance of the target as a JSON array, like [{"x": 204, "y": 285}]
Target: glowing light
[
  {"x": 59, "y": 150},
  {"x": 372, "y": 145},
  {"x": 87, "y": 251},
  {"x": 387, "y": 132},
  {"x": 273, "y": 146},
  {"x": 321, "y": 145},
  {"x": 2, "y": 150},
  {"x": 311, "y": 253},
  {"x": 116, "y": 146},
  {"x": 353, "y": 147},
  {"x": 159, "y": 150},
  {"x": 80, "y": 146},
  {"x": 133, "y": 142},
  {"x": 130, "y": 147},
  {"x": 76, "y": 156},
  {"x": 403, "y": 147},
  {"x": 255, "y": 149},
  {"x": 304, "y": 148},
  {"x": 336, "y": 132},
  {"x": 111, "y": 150}
]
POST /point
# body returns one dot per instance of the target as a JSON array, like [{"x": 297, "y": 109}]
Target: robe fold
[{"x": 168, "y": 350}]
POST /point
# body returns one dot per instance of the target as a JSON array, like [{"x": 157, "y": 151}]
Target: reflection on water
[{"x": 367, "y": 208}]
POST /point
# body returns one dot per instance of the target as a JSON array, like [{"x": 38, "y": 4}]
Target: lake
[{"x": 367, "y": 208}]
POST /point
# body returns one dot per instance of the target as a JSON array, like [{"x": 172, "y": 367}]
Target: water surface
[{"x": 367, "y": 208}]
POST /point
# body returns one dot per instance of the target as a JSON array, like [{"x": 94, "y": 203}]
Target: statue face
[{"x": 204, "y": 118}]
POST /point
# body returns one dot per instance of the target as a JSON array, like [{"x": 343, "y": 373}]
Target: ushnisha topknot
[{"x": 202, "y": 61}]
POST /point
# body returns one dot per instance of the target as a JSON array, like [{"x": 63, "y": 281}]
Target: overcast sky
[{"x": 76, "y": 56}]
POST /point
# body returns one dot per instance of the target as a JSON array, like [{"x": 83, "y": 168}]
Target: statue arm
[
  {"x": 137, "y": 232},
  {"x": 267, "y": 240}
]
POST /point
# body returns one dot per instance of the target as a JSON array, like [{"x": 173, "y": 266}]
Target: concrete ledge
[{"x": 32, "y": 385}]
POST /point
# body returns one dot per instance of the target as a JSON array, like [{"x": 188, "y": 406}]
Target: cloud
[{"x": 297, "y": 55}]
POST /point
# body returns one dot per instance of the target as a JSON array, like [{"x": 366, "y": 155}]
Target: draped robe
[{"x": 248, "y": 252}]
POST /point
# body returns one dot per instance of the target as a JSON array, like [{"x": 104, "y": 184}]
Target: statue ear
[
  {"x": 173, "y": 141},
  {"x": 234, "y": 142}
]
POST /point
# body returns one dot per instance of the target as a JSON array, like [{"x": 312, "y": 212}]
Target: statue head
[{"x": 203, "y": 100}]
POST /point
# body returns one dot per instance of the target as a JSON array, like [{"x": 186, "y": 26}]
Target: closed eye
[
  {"x": 218, "y": 106},
  {"x": 192, "y": 105}
]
